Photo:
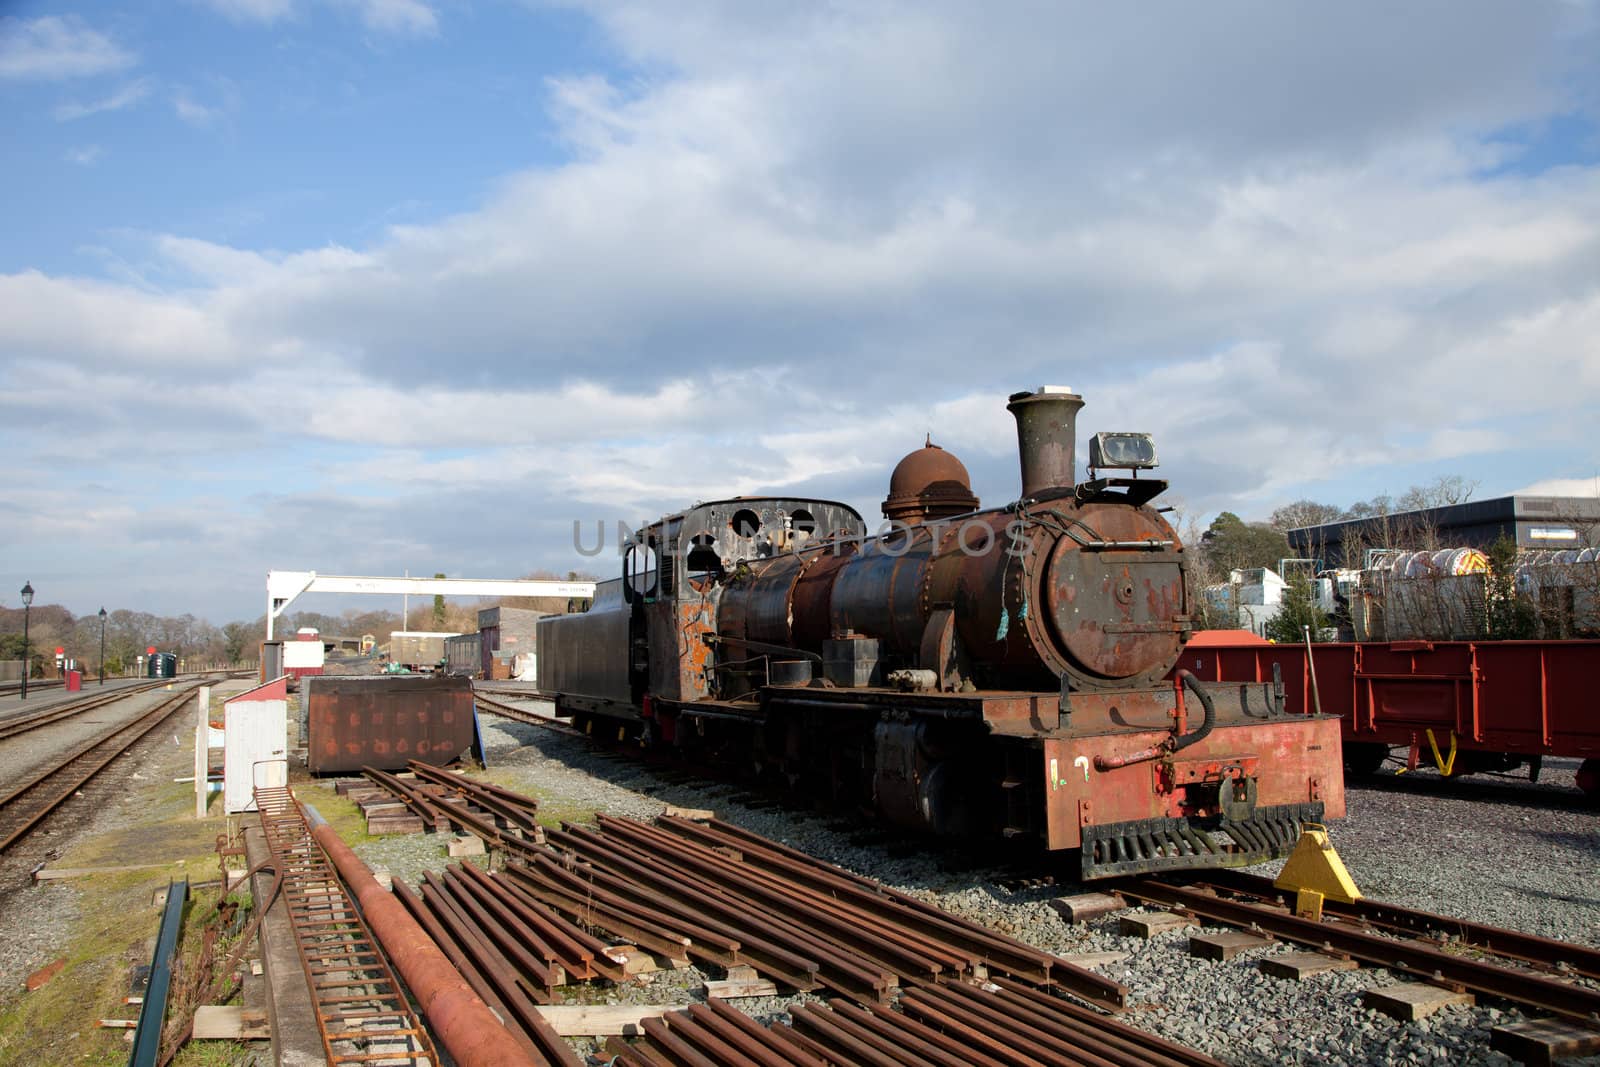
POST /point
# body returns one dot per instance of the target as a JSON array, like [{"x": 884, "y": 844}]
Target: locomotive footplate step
[
  {"x": 1410, "y": 1001},
  {"x": 1541, "y": 1042}
]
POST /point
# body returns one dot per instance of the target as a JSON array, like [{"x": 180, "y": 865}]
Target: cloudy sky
[{"x": 367, "y": 286}]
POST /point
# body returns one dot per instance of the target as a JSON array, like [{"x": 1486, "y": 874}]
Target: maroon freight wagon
[{"x": 1464, "y": 705}]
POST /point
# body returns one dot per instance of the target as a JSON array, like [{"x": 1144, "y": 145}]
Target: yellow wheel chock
[
  {"x": 1315, "y": 873},
  {"x": 1445, "y": 763}
]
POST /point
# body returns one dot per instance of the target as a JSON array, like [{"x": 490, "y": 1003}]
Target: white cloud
[
  {"x": 192, "y": 111},
  {"x": 1562, "y": 487},
  {"x": 264, "y": 11},
  {"x": 411, "y": 17},
  {"x": 55, "y": 47},
  {"x": 85, "y": 156},
  {"x": 124, "y": 97},
  {"x": 793, "y": 240}
]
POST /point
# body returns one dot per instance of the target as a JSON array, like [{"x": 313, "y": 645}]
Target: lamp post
[
  {"x": 102, "y": 646},
  {"x": 27, "y": 602}
]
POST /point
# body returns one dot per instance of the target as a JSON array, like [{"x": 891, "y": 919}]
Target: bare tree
[{"x": 1304, "y": 513}]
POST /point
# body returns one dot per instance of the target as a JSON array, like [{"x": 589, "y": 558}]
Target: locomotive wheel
[{"x": 1363, "y": 758}]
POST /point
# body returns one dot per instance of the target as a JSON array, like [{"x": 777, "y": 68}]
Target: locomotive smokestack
[{"x": 1047, "y": 429}]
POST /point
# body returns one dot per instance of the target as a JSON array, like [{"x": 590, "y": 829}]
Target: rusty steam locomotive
[{"x": 994, "y": 672}]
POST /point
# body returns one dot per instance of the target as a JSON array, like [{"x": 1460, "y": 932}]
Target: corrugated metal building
[{"x": 1548, "y": 522}]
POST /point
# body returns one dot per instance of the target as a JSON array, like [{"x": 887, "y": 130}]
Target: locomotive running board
[{"x": 1147, "y": 846}]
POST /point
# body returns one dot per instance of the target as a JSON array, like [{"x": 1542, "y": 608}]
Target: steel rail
[
  {"x": 1546, "y": 953},
  {"x": 505, "y": 710},
  {"x": 153, "y": 1011},
  {"x": 995, "y": 950},
  {"x": 55, "y": 784},
  {"x": 1409, "y": 957}
]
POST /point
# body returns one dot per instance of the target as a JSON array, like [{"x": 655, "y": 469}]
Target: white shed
[{"x": 256, "y": 742}]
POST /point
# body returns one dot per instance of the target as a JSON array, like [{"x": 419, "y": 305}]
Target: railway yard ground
[{"x": 1495, "y": 851}]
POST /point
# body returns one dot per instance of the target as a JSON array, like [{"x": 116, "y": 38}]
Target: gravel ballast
[{"x": 1496, "y": 852}]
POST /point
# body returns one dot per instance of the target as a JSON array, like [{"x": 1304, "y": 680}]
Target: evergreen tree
[{"x": 1298, "y": 609}]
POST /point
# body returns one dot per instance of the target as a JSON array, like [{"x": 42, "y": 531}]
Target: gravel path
[{"x": 1492, "y": 851}]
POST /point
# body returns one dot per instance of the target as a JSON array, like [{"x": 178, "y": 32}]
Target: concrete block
[
  {"x": 1543, "y": 1041},
  {"x": 466, "y": 845},
  {"x": 1093, "y": 959},
  {"x": 1410, "y": 1001},
  {"x": 1297, "y": 965},
  {"x": 1224, "y": 946},
  {"x": 1085, "y": 906},
  {"x": 1149, "y": 925}
]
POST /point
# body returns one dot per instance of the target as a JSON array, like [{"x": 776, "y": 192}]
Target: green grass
[
  {"x": 552, "y": 812},
  {"x": 115, "y": 932}
]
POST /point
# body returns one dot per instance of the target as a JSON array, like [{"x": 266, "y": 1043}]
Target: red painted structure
[{"x": 1494, "y": 704}]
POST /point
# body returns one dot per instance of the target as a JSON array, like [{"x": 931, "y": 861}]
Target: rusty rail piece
[
  {"x": 14, "y": 725},
  {"x": 1407, "y": 956},
  {"x": 361, "y": 1011},
  {"x": 26, "y": 805},
  {"x": 442, "y": 798},
  {"x": 1544, "y": 953},
  {"x": 474, "y": 963},
  {"x": 519, "y": 811},
  {"x": 998, "y": 952},
  {"x": 937, "y": 1025},
  {"x": 716, "y": 894}
]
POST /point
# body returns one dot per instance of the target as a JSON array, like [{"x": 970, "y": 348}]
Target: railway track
[
  {"x": 13, "y": 688},
  {"x": 21, "y": 724},
  {"x": 1454, "y": 953},
  {"x": 1524, "y": 969},
  {"x": 516, "y": 714},
  {"x": 27, "y": 804}
]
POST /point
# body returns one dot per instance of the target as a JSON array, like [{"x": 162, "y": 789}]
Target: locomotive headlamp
[{"x": 1125, "y": 451}]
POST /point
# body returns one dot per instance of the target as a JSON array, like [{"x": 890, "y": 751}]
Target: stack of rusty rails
[
  {"x": 783, "y": 933},
  {"x": 895, "y": 930},
  {"x": 1539, "y": 953},
  {"x": 442, "y": 805},
  {"x": 521, "y": 812},
  {"x": 1354, "y": 941},
  {"x": 498, "y": 971},
  {"x": 26, "y": 805},
  {"x": 361, "y": 1010},
  {"x": 995, "y": 951},
  {"x": 952, "y": 1025},
  {"x": 715, "y": 894},
  {"x": 671, "y": 931},
  {"x": 713, "y": 1035}
]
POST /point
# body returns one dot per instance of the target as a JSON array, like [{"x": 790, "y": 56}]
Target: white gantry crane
[{"x": 284, "y": 586}]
